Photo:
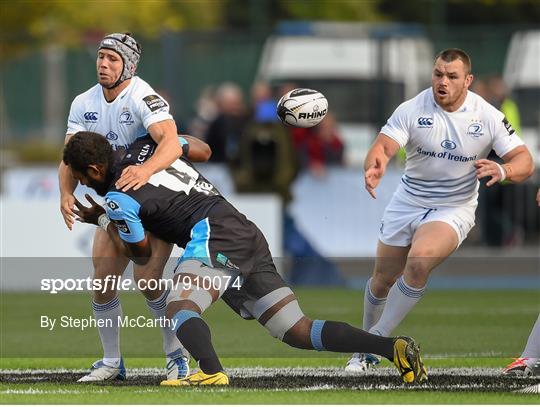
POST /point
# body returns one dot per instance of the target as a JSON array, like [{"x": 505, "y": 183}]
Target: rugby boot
[
  {"x": 518, "y": 367},
  {"x": 100, "y": 372},
  {"x": 408, "y": 361},
  {"x": 177, "y": 366},
  {"x": 199, "y": 379}
]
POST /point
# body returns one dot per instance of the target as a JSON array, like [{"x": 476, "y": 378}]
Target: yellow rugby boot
[
  {"x": 199, "y": 379},
  {"x": 408, "y": 361}
]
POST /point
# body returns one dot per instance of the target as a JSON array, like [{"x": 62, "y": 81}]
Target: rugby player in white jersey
[
  {"x": 447, "y": 132},
  {"x": 123, "y": 107}
]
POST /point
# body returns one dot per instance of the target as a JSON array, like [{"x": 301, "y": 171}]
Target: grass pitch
[{"x": 466, "y": 338}]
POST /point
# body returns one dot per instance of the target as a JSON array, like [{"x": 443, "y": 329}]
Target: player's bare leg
[
  {"x": 389, "y": 264},
  {"x": 432, "y": 243},
  {"x": 177, "y": 360}
]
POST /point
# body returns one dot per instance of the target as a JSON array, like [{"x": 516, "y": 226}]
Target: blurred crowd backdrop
[{"x": 223, "y": 64}]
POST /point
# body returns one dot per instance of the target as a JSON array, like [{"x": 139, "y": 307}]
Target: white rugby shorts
[{"x": 401, "y": 219}]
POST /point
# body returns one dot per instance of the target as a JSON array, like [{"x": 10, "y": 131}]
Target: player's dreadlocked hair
[{"x": 86, "y": 148}]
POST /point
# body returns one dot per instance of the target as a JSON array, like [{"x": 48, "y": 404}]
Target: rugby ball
[{"x": 302, "y": 108}]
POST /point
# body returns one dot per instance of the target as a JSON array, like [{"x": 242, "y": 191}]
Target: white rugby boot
[
  {"x": 361, "y": 362},
  {"x": 100, "y": 372}
]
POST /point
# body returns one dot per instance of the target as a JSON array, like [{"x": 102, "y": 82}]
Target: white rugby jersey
[
  {"x": 124, "y": 119},
  {"x": 442, "y": 147}
]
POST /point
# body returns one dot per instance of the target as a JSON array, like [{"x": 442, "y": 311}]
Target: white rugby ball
[{"x": 302, "y": 108}]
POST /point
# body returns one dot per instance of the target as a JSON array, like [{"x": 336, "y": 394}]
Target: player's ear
[
  {"x": 468, "y": 80},
  {"x": 95, "y": 171}
]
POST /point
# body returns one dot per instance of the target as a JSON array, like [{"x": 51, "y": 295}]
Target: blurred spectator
[
  {"x": 268, "y": 163},
  {"x": 263, "y": 104},
  {"x": 480, "y": 88},
  {"x": 499, "y": 225},
  {"x": 206, "y": 111},
  {"x": 224, "y": 132},
  {"x": 319, "y": 146},
  {"x": 498, "y": 96}
]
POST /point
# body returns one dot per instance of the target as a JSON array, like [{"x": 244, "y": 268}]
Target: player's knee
[
  {"x": 287, "y": 318},
  {"x": 103, "y": 296},
  {"x": 417, "y": 271},
  {"x": 185, "y": 305},
  {"x": 382, "y": 282},
  {"x": 299, "y": 335}
]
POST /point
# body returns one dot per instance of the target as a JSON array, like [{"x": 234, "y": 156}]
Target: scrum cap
[{"x": 130, "y": 51}]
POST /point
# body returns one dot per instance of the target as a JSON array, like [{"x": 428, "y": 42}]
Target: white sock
[
  {"x": 109, "y": 333},
  {"x": 373, "y": 308},
  {"x": 401, "y": 299},
  {"x": 171, "y": 344},
  {"x": 532, "y": 349}
]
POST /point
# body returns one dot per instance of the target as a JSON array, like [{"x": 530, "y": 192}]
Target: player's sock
[
  {"x": 171, "y": 344},
  {"x": 109, "y": 329},
  {"x": 401, "y": 299},
  {"x": 195, "y": 335},
  {"x": 532, "y": 349},
  {"x": 341, "y": 337},
  {"x": 373, "y": 307}
]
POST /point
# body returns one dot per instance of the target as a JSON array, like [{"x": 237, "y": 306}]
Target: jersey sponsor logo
[
  {"x": 112, "y": 205},
  {"x": 146, "y": 150},
  {"x": 475, "y": 130},
  {"x": 425, "y": 122},
  {"x": 122, "y": 226},
  {"x": 154, "y": 102},
  {"x": 126, "y": 118},
  {"x": 111, "y": 136},
  {"x": 446, "y": 155},
  {"x": 448, "y": 145},
  {"x": 90, "y": 117},
  {"x": 508, "y": 126}
]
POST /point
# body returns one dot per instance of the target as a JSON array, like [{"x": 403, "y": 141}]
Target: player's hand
[
  {"x": 488, "y": 168},
  {"x": 538, "y": 197},
  {"x": 373, "y": 176},
  {"x": 134, "y": 176},
  {"x": 67, "y": 203},
  {"x": 88, "y": 214}
]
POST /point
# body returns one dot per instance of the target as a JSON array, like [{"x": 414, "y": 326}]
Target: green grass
[
  {"x": 74, "y": 394},
  {"x": 455, "y": 328},
  {"x": 446, "y": 323}
]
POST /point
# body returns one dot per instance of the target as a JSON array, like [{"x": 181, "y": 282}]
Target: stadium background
[{"x": 488, "y": 289}]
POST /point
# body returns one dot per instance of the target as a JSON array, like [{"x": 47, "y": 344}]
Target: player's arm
[
  {"x": 136, "y": 247},
  {"x": 378, "y": 156},
  {"x": 198, "y": 150},
  {"x": 67, "y": 185},
  {"x": 518, "y": 166},
  {"x": 168, "y": 150}
]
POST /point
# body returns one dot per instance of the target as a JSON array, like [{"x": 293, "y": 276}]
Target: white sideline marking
[
  {"x": 57, "y": 391},
  {"x": 249, "y": 372}
]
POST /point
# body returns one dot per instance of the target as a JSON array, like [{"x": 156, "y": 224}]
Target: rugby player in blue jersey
[{"x": 178, "y": 205}]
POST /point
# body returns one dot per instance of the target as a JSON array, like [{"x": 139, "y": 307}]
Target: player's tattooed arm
[{"x": 139, "y": 252}]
